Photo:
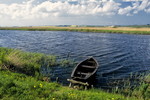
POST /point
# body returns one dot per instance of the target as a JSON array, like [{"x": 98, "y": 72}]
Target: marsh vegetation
[
  {"x": 21, "y": 79},
  {"x": 128, "y": 30}
]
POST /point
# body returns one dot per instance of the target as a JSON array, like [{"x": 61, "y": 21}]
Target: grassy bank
[
  {"x": 21, "y": 80},
  {"x": 14, "y": 86},
  {"x": 27, "y": 62},
  {"x": 128, "y": 30}
]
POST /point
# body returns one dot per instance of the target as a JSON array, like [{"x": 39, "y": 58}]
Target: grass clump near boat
[
  {"x": 134, "y": 88},
  {"x": 27, "y": 62},
  {"x": 15, "y": 86}
]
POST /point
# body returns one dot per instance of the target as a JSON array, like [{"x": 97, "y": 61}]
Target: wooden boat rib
[{"x": 85, "y": 69}]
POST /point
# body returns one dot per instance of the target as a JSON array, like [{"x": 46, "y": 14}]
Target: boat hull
[{"x": 85, "y": 69}]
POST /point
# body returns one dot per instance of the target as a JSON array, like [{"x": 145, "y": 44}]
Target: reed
[
  {"x": 27, "y": 62},
  {"x": 127, "y": 30},
  {"x": 137, "y": 86}
]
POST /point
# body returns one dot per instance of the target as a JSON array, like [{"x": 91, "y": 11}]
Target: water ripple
[{"x": 118, "y": 54}]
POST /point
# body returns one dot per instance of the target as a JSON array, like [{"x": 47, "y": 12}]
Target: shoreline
[
  {"x": 20, "y": 74},
  {"x": 120, "y": 30}
]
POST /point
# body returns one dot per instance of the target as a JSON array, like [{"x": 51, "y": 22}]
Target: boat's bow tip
[{"x": 90, "y": 56}]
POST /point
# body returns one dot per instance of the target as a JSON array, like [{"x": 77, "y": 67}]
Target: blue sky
[{"x": 74, "y": 12}]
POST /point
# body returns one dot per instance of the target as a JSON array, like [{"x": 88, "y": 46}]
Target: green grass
[
  {"x": 21, "y": 80},
  {"x": 134, "y": 88},
  {"x": 139, "y": 26},
  {"x": 14, "y": 86},
  {"x": 84, "y": 29},
  {"x": 27, "y": 62}
]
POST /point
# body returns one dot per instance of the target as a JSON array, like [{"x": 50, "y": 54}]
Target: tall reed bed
[
  {"x": 27, "y": 62},
  {"x": 127, "y": 30},
  {"x": 137, "y": 86}
]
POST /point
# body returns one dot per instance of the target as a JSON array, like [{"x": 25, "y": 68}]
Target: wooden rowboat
[{"x": 85, "y": 69}]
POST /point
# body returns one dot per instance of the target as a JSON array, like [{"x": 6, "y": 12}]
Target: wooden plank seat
[
  {"x": 86, "y": 66},
  {"x": 82, "y": 73}
]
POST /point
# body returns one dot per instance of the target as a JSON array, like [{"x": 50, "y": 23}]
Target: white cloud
[
  {"x": 148, "y": 8},
  {"x": 144, "y": 5},
  {"x": 49, "y": 9},
  {"x": 125, "y": 11},
  {"x": 131, "y": 0},
  {"x": 29, "y": 10}
]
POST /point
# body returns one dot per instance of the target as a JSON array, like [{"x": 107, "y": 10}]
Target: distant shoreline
[{"x": 126, "y": 30}]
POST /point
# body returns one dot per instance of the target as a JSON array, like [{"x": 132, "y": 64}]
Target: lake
[{"x": 119, "y": 55}]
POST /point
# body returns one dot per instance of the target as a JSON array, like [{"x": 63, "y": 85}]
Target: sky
[{"x": 74, "y": 12}]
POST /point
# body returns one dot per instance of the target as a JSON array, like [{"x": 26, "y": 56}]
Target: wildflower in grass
[
  {"x": 71, "y": 94},
  {"x": 41, "y": 85},
  {"x": 34, "y": 86},
  {"x": 112, "y": 98},
  {"x": 53, "y": 98}
]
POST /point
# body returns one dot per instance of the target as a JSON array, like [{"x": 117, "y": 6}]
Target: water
[{"x": 118, "y": 54}]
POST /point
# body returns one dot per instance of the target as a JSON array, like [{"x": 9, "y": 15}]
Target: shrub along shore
[
  {"x": 21, "y": 80},
  {"x": 127, "y": 30}
]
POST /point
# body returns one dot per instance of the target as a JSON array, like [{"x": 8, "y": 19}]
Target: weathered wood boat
[
  {"x": 85, "y": 69},
  {"x": 83, "y": 72}
]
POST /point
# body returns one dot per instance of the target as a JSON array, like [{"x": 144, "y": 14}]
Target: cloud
[
  {"x": 131, "y": 0},
  {"x": 31, "y": 9},
  {"x": 148, "y": 8},
  {"x": 136, "y": 7},
  {"x": 125, "y": 11}
]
